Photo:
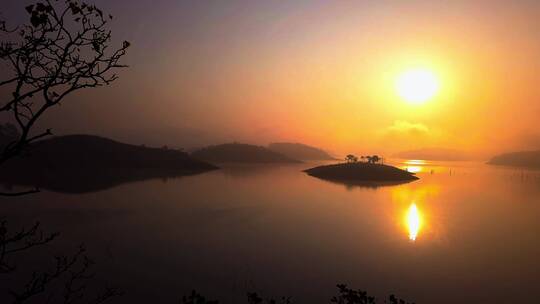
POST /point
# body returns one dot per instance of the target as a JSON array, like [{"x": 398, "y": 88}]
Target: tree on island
[
  {"x": 64, "y": 47},
  {"x": 351, "y": 158},
  {"x": 372, "y": 159}
]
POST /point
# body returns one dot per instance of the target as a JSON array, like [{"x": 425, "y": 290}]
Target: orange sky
[
  {"x": 332, "y": 83},
  {"x": 323, "y": 73}
]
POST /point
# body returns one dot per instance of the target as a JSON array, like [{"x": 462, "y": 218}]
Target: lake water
[{"x": 463, "y": 233}]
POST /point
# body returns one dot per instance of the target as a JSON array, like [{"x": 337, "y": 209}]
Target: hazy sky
[{"x": 318, "y": 72}]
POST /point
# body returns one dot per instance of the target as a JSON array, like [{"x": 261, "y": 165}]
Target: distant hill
[
  {"x": 300, "y": 151},
  {"x": 240, "y": 153},
  {"x": 66, "y": 162},
  {"x": 83, "y": 151},
  {"x": 529, "y": 159},
  {"x": 434, "y": 154},
  {"x": 357, "y": 172}
]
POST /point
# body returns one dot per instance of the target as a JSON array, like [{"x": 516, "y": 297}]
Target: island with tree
[{"x": 369, "y": 169}]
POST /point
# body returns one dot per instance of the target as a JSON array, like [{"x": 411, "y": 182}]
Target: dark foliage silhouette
[
  {"x": 351, "y": 296},
  {"x": 196, "y": 298},
  {"x": 74, "y": 273},
  {"x": 64, "y": 48},
  {"x": 69, "y": 278},
  {"x": 372, "y": 159},
  {"x": 351, "y": 158},
  {"x": 254, "y": 298},
  {"x": 345, "y": 295},
  {"x": 22, "y": 240}
]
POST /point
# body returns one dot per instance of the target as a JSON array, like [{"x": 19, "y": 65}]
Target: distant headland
[
  {"x": 240, "y": 153},
  {"x": 300, "y": 151},
  {"x": 89, "y": 151},
  {"x": 81, "y": 163},
  {"x": 529, "y": 159}
]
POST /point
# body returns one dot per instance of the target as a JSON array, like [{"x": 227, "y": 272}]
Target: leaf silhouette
[{"x": 29, "y": 8}]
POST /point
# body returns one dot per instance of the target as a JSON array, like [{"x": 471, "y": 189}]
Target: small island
[{"x": 353, "y": 171}]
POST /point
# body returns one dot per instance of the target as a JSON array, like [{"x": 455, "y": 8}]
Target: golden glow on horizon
[
  {"x": 417, "y": 86},
  {"x": 413, "y": 169},
  {"x": 415, "y": 162},
  {"x": 413, "y": 221}
]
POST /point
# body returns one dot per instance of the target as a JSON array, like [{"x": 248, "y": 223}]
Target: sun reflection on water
[
  {"x": 413, "y": 221},
  {"x": 414, "y": 165}
]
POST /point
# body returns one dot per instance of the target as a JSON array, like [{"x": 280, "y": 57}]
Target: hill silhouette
[
  {"x": 82, "y": 163},
  {"x": 83, "y": 151},
  {"x": 300, "y": 151},
  {"x": 240, "y": 153},
  {"x": 529, "y": 159},
  {"x": 361, "y": 172}
]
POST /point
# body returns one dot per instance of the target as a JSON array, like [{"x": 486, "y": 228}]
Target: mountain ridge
[
  {"x": 300, "y": 151},
  {"x": 240, "y": 153}
]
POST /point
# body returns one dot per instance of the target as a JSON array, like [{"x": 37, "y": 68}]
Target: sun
[{"x": 417, "y": 86}]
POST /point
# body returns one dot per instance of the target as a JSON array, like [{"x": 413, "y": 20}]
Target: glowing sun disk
[{"x": 417, "y": 86}]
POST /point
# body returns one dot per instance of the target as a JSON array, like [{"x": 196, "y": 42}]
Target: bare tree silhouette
[
  {"x": 73, "y": 271},
  {"x": 20, "y": 241},
  {"x": 64, "y": 48}
]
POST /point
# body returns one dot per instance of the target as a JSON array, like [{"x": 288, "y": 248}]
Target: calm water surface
[{"x": 464, "y": 232}]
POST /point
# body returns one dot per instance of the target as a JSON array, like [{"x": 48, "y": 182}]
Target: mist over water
[{"x": 275, "y": 230}]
